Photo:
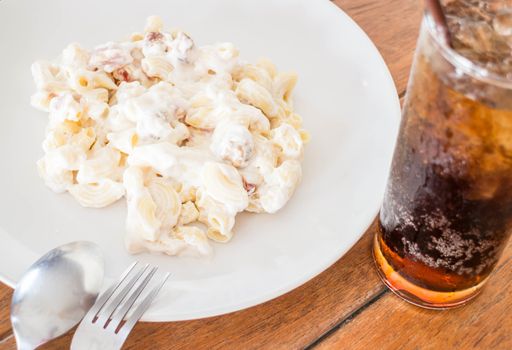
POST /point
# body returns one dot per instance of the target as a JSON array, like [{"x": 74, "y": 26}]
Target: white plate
[{"x": 345, "y": 95}]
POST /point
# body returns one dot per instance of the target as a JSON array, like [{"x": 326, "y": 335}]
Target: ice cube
[
  {"x": 502, "y": 23},
  {"x": 467, "y": 9},
  {"x": 482, "y": 32},
  {"x": 495, "y": 6}
]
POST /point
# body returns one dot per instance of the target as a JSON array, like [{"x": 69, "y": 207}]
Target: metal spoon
[{"x": 55, "y": 293}]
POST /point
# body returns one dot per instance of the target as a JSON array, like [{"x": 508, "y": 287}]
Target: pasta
[
  {"x": 190, "y": 135},
  {"x": 249, "y": 91},
  {"x": 189, "y": 213},
  {"x": 97, "y": 195}
]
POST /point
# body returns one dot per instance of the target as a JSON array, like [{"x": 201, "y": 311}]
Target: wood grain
[
  {"x": 484, "y": 323},
  {"x": 5, "y": 301},
  {"x": 393, "y": 26},
  {"x": 9, "y": 343},
  {"x": 302, "y": 316},
  {"x": 292, "y": 321}
]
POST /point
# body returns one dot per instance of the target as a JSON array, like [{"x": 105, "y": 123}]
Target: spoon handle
[{"x": 23, "y": 345}]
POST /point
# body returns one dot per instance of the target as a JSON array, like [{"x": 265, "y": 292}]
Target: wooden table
[{"x": 346, "y": 306}]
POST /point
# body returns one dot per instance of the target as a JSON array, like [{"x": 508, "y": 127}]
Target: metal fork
[{"x": 103, "y": 327}]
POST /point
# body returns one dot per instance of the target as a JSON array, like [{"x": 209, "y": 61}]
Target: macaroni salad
[{"x": 190, "y": 135}]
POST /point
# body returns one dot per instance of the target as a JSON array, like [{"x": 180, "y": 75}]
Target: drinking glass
[{"x": 447, "y": 211}]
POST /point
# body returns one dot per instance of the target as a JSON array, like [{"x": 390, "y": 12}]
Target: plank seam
[
  {"x": 7, "y": 334},
  {"x": 4, "y": 340},
  {"x": 348, "y": 318}
]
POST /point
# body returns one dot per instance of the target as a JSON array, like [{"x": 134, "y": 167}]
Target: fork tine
[
  {"x": 121, "y": 313},
  {"x": 100, "y": 302},
  {"x": 143, "y": 306},
  {"x": 110, "y": 307}
]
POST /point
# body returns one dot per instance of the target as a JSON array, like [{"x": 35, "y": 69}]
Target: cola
[{"x": 447, "y": 211}]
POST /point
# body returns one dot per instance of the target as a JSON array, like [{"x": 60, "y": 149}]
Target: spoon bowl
[{"x": 55, "y": 293}]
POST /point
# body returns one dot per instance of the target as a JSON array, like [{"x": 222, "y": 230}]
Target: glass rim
[{"x": 469, "y": 67}]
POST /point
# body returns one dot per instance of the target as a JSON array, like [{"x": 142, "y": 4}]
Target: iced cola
[{"x": 447, "y": 211}]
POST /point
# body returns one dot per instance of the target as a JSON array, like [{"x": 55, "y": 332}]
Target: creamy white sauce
[{"x": 171, "y": 123}]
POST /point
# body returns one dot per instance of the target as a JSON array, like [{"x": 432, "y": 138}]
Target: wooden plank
[
  {"x": 9, "y": 343},
  {"x": 391, "y": 323},
  {"x": 393, "y": 26},
  {"x": 5, "y": 302}
]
